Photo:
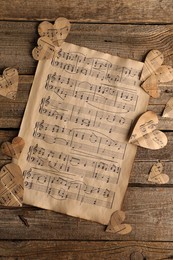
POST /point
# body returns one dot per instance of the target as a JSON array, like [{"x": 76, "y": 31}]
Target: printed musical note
[
  {"x": 11, "y": 185},
  {"x": 45, "y": 49},
  {"x": 123, "y": 99},
  {"x": 145, "y": 133},
  {"x": 57, "y": 33},
  {"x": 76, "y": 145},
  {"x": 9, "y": 83},
  {"x": 62, "y": 189}
]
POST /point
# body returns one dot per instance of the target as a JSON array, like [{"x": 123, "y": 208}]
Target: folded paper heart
[
  {"x": 11, "y": 185},
  {"x": 163, "y": 74},
  {"x": 168, "y": 111},
  {"x": 156, "y": 174},
  {"x": 57, "y": 33},
  {"x": 9, "y": 83},
  {"x": 153, "y": 61},
  {"x": 45, "y": 49},
  {"x": 145, "y": 133},
  {"x": 153, "y": 73},
  {"x": 13, "y": 149},
  {"x": 115, "y": 224},
  {"x": 151, "y": 86}
]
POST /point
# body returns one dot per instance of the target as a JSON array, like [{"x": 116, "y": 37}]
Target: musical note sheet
[{"x": 77, "y": 159}]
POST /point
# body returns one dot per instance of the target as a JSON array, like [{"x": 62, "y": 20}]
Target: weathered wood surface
[
  {"x": 128, "y": 41},
  {"x": 121, "y": 11},
  {"x": 79, "y": 250},
  {"x": 125, "y": 28},
  {"x": 149, "y": 210}
]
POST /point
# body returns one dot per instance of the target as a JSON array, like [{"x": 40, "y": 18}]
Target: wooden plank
[
  {"x": 84, "y": 250},
  {"x": 111, "y": 11},
  {"x": 128, "y": 41},
  {"x": 149, "y": 210},
  {"x": 141, "y": 169}
]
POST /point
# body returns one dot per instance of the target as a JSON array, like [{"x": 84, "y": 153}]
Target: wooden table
[{"x": 126, "y": 28}]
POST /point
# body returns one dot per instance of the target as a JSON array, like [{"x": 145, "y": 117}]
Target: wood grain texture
[
  {"x": 84, "y": 250},
  {"x": 149, "y": 211},
  {"x": 127, "y": 41},
  {"x": 101, "y": 11},
  {"x": 126, "y": 28}
]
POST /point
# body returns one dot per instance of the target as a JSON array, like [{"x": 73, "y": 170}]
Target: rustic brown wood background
[{"x": 128, "y": 28}]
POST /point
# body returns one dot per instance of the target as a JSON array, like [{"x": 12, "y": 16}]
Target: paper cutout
[
  {"x": 156, "y": 174},
  {"x": 164, "y": 74},
  {"x": 11, "y": 185},
  {"x": 168, "y": 111},
  {"x": 145, "y": 134},
  {"x": 116, "y": 226},
  {"x": 151, "y": 87},
  {"x": 9, "y": 83},
  {"x": 45, "y": 49},
  {"x": 153, "y": 61},
  {"x": 153, "y": 73},
  {"x": 13, "y": 149},
  {"x": 57, "y": 33},
  {"x": 51, "y": 36}
]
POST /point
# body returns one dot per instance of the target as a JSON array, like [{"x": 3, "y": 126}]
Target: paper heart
[
  {"x": 11, "y": 185},
  {"x": 156, "y": 174},
  {"x": 115, "y": 224},
  {"x": 45, "y": 49},
  {"x": 57, "y": 33},
  {"x": 151, "y": 86},
  {"x": 162, "y": 74},
  {"x": 168, "y": 111},
  {"x": 145, "y": 134},
  {"x": 13, "y": 149},
  {"x": 9, "y": 83},
  {"x": 154, "y": 72},
  {"x": 153, "y": 61}
]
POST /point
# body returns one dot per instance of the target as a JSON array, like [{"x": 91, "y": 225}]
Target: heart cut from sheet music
[
  {"x": 145, "y": 133},
  {"x": 11, "y": 185},
  {"x": 13, "y": 149},
  {"x": 45, "y": 49},
  {"x": 168, "y": 111},
  {"x": 154, "y": 73},
  {"x": 115, "y": 224},
  {"x": 9, "y": 83},
  {"x": 57, "y": 33},
  {"x": 156, "y": 174},
  {"x": 153, "y": 61}
]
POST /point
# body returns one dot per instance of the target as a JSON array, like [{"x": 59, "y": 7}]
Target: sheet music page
[{"x": 81, "y": 107}]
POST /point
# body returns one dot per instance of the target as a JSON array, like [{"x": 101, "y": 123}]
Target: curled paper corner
[
  {"x": 13, "y": 149},
  {"x": 116, "y": 224},
  {"x": 11, "y": 185},
  {"x": 154, "y": 73},
  {"x": 168, "y": 111},
  {"x": 52, "y": 36},
  {"x": 156, "y": 174},
  {"x": 145, "y": 133},
  {"x": 9, "y": 83}
]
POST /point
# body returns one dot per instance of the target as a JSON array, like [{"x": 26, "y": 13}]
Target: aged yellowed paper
[{"x": 77, "y": 159}]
